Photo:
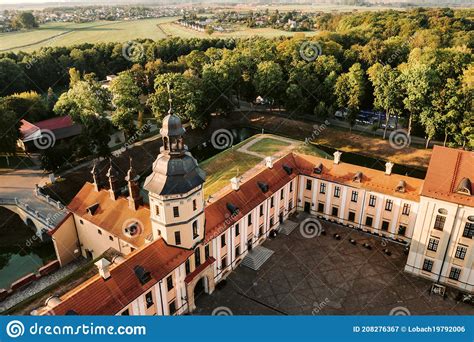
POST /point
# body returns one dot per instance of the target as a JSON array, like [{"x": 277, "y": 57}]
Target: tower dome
[{"x": 172, "y": 126}]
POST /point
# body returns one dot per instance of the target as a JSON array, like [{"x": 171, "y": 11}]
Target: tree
[
  {"x": 126, "y": 100},
  {"x": 269, "y": 80},
  {"x": 350, "y": 91},
  {"x": 187, "y": 98},
  {"x": 11, "y": 77},
  {"x": 9, "y": 133},
  {"x": 24, "y": 20},
  {"x": 418, "y": 85},
  {"x": 85, "y": 99},
  {"x": 28, "y": 105},
  {"x": 387, "y": 91}
]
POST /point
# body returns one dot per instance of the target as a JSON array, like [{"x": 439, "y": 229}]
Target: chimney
[
  {"x": 95, "y": 176},
  {"x": 134, "y": 198},
  {"x": 103, "y": 267},
  {"x": 114, "y": 189},
  {"x": 235, "y": 182},
  {"x": 269, "y": 162},
  {"x": 337, "y": 157},
  {"x": 388, "y": 168}
]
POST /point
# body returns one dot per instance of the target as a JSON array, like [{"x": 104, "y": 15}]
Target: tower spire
[
  {"x": 113, "y": 181},
  {"x": 134, "y": 198},
  {"x": 170, "y": 100},
  {"x": 95, "y": 176}
]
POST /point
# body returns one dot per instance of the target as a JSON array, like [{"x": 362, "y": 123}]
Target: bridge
[{"x": 40, "y": 212}]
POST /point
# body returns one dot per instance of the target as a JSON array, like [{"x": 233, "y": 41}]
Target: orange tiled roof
[
  {"x": 447, "y": 168},
  {"x": 372, "y": 180},
  {"x": 107, "y": 297},
  {"x": 111, "y": 215}
]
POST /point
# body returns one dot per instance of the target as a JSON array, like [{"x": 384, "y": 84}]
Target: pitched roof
[
  {"x": 63, "y": 127},
  {"x": 105, "y": 297},
  {"x": 372, "y": 180},
  {"x": 111, "y": 215},
  {"x": 447, "y": 169}
]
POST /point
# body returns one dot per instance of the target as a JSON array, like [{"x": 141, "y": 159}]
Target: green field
[{"x": 65, "y": 34}]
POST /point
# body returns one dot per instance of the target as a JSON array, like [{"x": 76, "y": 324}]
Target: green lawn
[
  {"x": 268, "y": 146},
  {"x": 222, "y": 167}
]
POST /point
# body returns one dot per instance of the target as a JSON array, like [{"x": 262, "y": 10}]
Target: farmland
[{"x": 65, "y": 34}]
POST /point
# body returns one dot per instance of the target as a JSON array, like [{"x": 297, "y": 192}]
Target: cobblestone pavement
[{"x": 325, "y": 276}]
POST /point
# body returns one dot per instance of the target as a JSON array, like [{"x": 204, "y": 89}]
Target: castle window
[
  {"x": 368, "y": 221},
  {"x": 337, "y": 191},
  {"x": 195, "y": 229},
  {"x": 291, "y": 186},
  {"x": 354, "y": 196},
  {"x": 261, "y": 210},
  {"x": 406, "y": 209},
  {"x": 222, "y": 240},
  {"x": 455, "y": 273},
  {"x": 157, "y": 210},
  {"x": 249, "y": 219},
  {"x": 194, "y": 204},
  {"x": 322, "y": 188},
  {"x": 224, "y": 262},
  {"x": 187, "y": 266},
  {"x": 335, "y": 211},
  {"x": 237, "y": 251},
  {"x": 385, "y": 225},
  {"x": 169, "y": 282},
  {"x": 177, "y": 238},
  {"x": 308, "y": 184},
  {"x": 321, "y": 207},
  {"x": 427, "y": 265},
  {"x": 99, "y": 231},
  {"x": 206, "y": 252},
  {"x": 272, "y": 200},
  {"x": 281, "y": 194},
  {"x": 461, "y": 252},
  {"x": 172, "y": 307},
  {"x": 372, "y": 200},
  {"x": 433, "y": 245},
  {"x": 111, "y": 238},
  {"x": 197, "y": 257},
  {"x": 176, "y": 211},
  {"x": 439, "y": 222},
  {"x": 468, "y": 230},
  {"x": 149, "y": 300},
  {"x": 402, "y": 229},
  {"x": 125, "y": 312},
  {"x": 352, "y": 216},
  {"x": 388, "y": 205},
  {"x": 237, "y": 229}
]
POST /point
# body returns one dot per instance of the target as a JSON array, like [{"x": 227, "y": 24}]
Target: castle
[{"x": 178, "y": 242}]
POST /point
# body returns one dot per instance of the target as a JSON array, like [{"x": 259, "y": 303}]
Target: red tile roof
[
  {"x": 111, "y": 215},
  {"x": 447, "y": 168},
  {"x": 107, "y": 297}
]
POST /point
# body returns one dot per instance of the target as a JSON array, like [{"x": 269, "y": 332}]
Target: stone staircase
[
  {"x": 257, "y": 257},
  {"x": 287, "y": 227}
]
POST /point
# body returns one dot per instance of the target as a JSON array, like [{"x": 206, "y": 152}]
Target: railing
[
  {"x": 47, "y": 198},
  {"x": 46, "y": 221}
]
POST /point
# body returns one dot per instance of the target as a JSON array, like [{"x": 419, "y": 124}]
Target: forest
[{"x": 415, "y": 65}]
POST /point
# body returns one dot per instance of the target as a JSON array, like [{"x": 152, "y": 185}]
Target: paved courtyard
[{"x": 326, "y": 276}]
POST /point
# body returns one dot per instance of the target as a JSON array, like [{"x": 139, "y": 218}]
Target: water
[{"x": 17, "y": 266}]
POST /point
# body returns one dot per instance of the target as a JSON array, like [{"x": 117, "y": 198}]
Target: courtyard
[{"x": 323, "y": 275}]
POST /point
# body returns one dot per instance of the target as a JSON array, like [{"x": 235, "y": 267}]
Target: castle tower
[
  {"x": 134, "y": 198},
  {"x": 175, "y": 189},
  {"x": 114, "y": 188}
]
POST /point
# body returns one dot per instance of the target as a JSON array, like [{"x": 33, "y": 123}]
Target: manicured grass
[
  {"x": 222, "y": 167},
  {"x": 311, "y": 150},
  {"x": 268, "y": 146}
]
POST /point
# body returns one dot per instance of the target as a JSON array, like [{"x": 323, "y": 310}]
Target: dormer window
[
  {"x": 288, "y": 169},
  {"x": 318, "y": 169},
  {"x": 401, "y": 186},
  {"x": 464, "y": 187},
  {"x": 263, "y": 186},
  {"x": 142, "y": 275},
  {"x": 232, "y": 208},
  {"x": 91, "y": 210},
  {"x": 357, "y": 177}
]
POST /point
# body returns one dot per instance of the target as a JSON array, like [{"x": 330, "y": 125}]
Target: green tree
[
  {"x": 126, "y": 100},
  {"x": 350, "y": 91},
  {"x": 24, "y": 20},
  {"x": 269, "y": 81},
  {"x": 9, "y": 133},
  {"x": 387, "y": 91}
]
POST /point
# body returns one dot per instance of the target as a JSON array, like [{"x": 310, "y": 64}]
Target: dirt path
[{"x": 245, "y": 148}]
